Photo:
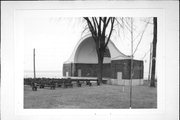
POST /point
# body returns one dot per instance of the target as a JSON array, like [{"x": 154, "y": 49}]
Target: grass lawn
[{"x": 104, "y": 96}]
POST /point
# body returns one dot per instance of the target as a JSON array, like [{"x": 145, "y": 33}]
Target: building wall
[
  {"x": 124, "y": 66},
  {"x": 87, "y": 70},
  {"x": 138, "y": 69},
  {"x": 110, "y": 70},
  {"x": 68, "y": 68},
  {"x": 91, "y": 70},
  {"x": 120, "y": 66}
]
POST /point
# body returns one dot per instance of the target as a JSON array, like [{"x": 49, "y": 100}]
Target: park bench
[
  {"x": 68, "y": 83},
  {"x": 59, "y": 83},
  {"x": 98, "y": 83},
  {"x": 88, "y": 83},
  {"x": 47, "y": 83},
  {"x": 41, "y": 84},
  {"x": 34, "y": 86},
  {"x": 78, "y": 83},
  {"x": 52, "y": 85}
]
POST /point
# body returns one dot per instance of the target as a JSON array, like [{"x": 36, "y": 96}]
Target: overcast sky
[{"x": 54, "y": 39}]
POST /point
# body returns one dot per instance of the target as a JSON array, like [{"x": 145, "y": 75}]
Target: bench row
[{"x": 53, "y": 84}]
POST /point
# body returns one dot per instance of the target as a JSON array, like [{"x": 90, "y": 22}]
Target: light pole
[
  {"x": 131, "y": 63},
  {"x": 34, "y": 67}
]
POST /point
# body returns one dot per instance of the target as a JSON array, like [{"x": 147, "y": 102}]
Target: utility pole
[
  {"x": 152, "y": 84},
  {"x": 131, "y": 63},
  {"x": 150, "y": 63},
  {"x": 34, "y": 67}
]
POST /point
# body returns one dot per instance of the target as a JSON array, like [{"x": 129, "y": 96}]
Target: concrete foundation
[{"x": 125, "y": 82}]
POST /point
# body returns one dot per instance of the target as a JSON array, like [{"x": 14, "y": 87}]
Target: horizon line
[{"x": 41, "y": 70}]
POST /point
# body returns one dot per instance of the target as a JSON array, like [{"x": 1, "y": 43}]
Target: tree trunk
[
  {"x": 152, "y": 84},
  {"x": 100, "y": 67}
]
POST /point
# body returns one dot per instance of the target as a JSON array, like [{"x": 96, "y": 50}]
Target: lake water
[{"x": 40, "y": 74}]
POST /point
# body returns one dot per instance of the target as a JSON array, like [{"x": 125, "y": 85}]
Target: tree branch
[
  {"x": 112, "y": 23},
  {"x": 140, "y": 38},
  {"x": 99, "y": 27},
  {"x": 95, "y": 24}
]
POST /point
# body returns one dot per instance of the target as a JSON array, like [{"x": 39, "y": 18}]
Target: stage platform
[
  {"x": 111, "y": 81},
  {"x": 85, "y": 78}
]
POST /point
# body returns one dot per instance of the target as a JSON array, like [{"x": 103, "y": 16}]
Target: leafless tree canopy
[{"x": 98, "y": 28}]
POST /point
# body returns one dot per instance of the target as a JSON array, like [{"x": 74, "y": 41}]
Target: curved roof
[{"x": 85, "y": 52}]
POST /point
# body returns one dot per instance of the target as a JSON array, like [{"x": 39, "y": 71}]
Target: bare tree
[
  {"x": 101, "y": 29},
  {"x": 98, "y": 27}
]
